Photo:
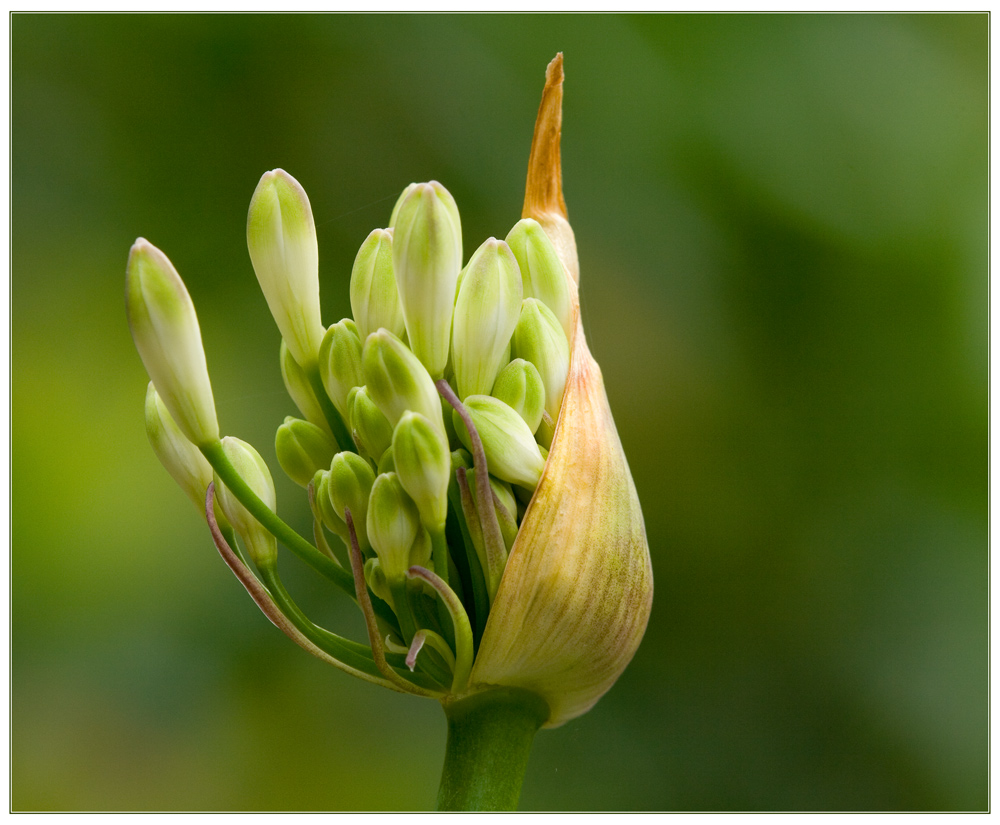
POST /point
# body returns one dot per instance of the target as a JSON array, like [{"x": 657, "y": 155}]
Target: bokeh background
[{"x": 782, "y": 224}]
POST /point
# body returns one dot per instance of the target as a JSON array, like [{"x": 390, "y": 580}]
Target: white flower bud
[
  {"x": 303, "y": 449},
  {"x": 349, "y": 485},
  {"x": 374, "y": 299},
  {"x": 423, "y": 465},
  {"x": 426, "y": 258},
  {"x": 511, "y": 452},
  {"x": 300, "y": 390},
  {"x": 539, "y": 338},
  {"x": 166, "y": 333},
  {"x": 185, "y": 463},
  {"x": 260, "y": 544},
  {"x": 393, "y": 525},
  {"x": 397, "y": 381},
  {"x": 340, "y": 364},
  {"x": 542, "y": 272},
  {"x": 520, "y": 386},
  {"x": 486, "y": 312},
  {"x": 371, "y": 429},
  {"x": 281, "y": 237}
]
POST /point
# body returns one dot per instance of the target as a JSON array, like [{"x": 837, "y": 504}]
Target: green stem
[
  {"x": 477, "y": 559},
  {"x": 350, "y": 653},
  {"x": 439, "y": 552},
  {"x": 489, "y": 741},
  {"x": 220, "y": 462}
]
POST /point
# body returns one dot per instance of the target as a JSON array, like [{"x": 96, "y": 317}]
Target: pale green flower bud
[
  {"x": 423, "y": 466},
  {"x": 324, "y": 506},
  {"x": 486, "y": 312},
  {"x": 511, "y": 451},
  {"x": 374, "y": 299},
  {"x": 260, "y": 544},
  {"x": 303, "y": 449},
  {"x": 371, "y": 429},
  {"x": 446, "y": 199},
  {"x": 185, "y": 463},
  {"x": 397, "y": 381},
  {"x": 393, "y": 525},
  {"x": 281, "y": 237},
  {"x": 421, "y": 551},
  {"x": 387, "y": 463},
  {"x": 505, "y": 495},
  {"x": 540, "y": 339},
  {"x": 300, "y": 390},
  {"x": 350, "y": 483},
  {"x": 166, "y": 333},
  {"x": 375, "y": 579},
  {"x": 542, "y": 272},
  {"x": 399, "y": 203},
  {"x": 426, "y": 258},
  {"x": 460, "y": 458},
  {"x": 520, "y": 387},
  {"x": 340, "y": 363},
  {"x": 502, "y": 489}
]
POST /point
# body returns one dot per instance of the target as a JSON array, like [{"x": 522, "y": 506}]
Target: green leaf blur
[{"x": 782, "y": 226}]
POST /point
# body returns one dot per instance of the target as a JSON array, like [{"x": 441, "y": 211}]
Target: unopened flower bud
[
  {"x": 260, "y": 544},
  {"x": 542, "y": 272},
  {"x": 374, "y": 299},
  {"x": 423, "y": 466},
  {"x": 340, "y": 363},
  {"x": 461, "y": 458},
  {"x": 520, "y": 387},
  {"x": 375, "y": 579},
  {"x": 371, "y": 429},
  {"x": 324, "y": 506},
  {"x": 399, "y": 202},
  {"x": 350, "y": 483},
  {"x": 503, "y": 491},
  {"x": 300, "y": 390},
  {"x": 397, "y": 381},
  {"x": 393, "y": 525},
  {"x": 426, "y": 258},
  {"x": 511, "y": 451},
  {"x": 387, "y": 463},
  {"x": 185, "y": 463},
  {"x": 486, "y": 312},
  {"x": 166, "y": 334},
  {"x": 303, "y": 449},
  {"x": 539, "y": 338},
  {"x": 281, "y": 237},
  {"x": 505, "y": 499},
  {"x": 446, "y": 199}
]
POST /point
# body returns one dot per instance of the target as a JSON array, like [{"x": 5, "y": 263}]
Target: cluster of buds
[{"x": 466, "y": 481}]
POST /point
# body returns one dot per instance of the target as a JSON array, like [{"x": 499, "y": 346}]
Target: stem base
[{"x": 489, "y": 742}]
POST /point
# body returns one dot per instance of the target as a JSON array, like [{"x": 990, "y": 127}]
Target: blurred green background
[{"x": 782, "y": 225}]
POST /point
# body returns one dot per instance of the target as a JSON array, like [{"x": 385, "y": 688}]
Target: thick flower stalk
[{"x": 467, "y": 484}]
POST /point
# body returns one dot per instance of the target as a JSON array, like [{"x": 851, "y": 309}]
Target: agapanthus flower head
[{"x": 465, "y": 476}]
